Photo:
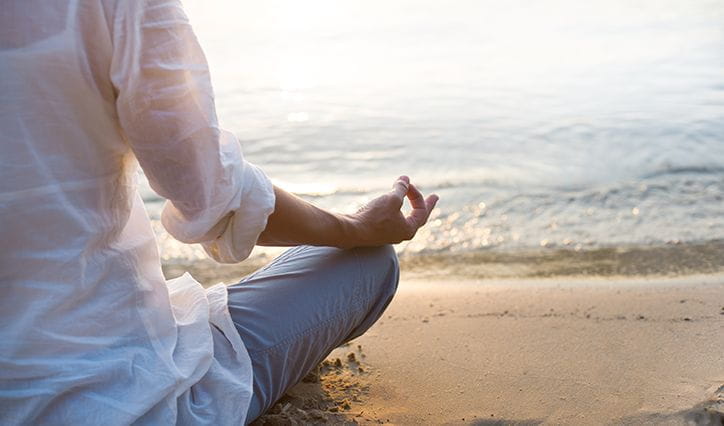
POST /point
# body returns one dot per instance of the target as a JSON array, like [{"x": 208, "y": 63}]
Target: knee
[
  {"x": 390, "y": 263},
  {"x": 382, "y": 262},
  {"x": 380, "y": 276}
]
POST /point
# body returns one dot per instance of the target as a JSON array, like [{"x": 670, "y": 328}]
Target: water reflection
[{"x": 552, "y": 124}]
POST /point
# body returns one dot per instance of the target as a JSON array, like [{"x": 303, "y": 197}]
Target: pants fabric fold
[{"x": 293, "y": 312}]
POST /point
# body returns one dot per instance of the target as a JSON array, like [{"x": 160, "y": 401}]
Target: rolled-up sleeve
[{"x": 165, "y": 106}]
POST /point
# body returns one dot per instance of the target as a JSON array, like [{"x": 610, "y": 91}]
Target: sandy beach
[
  {"x": 614, "y": 336},
  {"x": 646, "y": 350}
]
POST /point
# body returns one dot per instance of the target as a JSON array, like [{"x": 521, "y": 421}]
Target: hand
[{"x": 381, "y": 221}]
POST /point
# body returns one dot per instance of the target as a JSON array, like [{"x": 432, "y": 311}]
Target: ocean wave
[{"x": 685, "y": 170}]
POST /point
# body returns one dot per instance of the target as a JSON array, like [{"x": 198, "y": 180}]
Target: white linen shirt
[{"x": 91, "y": 332}]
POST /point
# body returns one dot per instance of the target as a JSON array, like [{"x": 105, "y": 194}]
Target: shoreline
[
  {"x": 662, "y": 261},
  {"x": 540, "y": 351}
]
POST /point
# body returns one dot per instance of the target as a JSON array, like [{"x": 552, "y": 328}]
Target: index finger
[
  {"x": 417, "y": 201},
  {"x": 419, "y": 216}
]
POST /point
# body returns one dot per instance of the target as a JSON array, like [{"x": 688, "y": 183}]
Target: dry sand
[{"x": 552, "y": 351}]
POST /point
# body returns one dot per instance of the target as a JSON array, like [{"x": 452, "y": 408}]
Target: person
[{"x": 92, "y": 333}]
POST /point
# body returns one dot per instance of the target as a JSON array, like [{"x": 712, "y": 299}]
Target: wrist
[{"x": 351, "y": 232}]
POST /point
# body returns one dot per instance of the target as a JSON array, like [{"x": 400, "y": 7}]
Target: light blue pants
[{"x": 293, "y": 312}]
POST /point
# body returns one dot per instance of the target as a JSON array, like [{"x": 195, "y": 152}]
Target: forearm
[
  {"x": 296, "y": 222},
  {"x": 377, "y": 223}
]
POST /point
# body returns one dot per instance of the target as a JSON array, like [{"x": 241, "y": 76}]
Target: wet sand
[
  {"x": 551, "y": 351},
  {"x": 613, "y": 262}
]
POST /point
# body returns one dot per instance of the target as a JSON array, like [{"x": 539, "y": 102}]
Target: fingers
[
  {"x": 415, "y": 196},
  {"x": 431, "y": 201},
  {"x": 418, "y": 217},
  {"x": 421, "y": 207},
  {"x": 400, "y": 187}
]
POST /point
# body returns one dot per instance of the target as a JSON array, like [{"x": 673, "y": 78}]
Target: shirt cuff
[{"x": 245, "y": 223}]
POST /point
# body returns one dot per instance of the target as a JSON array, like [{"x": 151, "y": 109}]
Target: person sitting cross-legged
[{"x": 92, "y": 332}]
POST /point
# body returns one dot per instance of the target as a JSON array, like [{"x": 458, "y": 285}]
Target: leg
[{"x": 295, "y": 311}]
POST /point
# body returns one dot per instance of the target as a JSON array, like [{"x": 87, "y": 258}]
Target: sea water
[{"x": 541, "y": 124}]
